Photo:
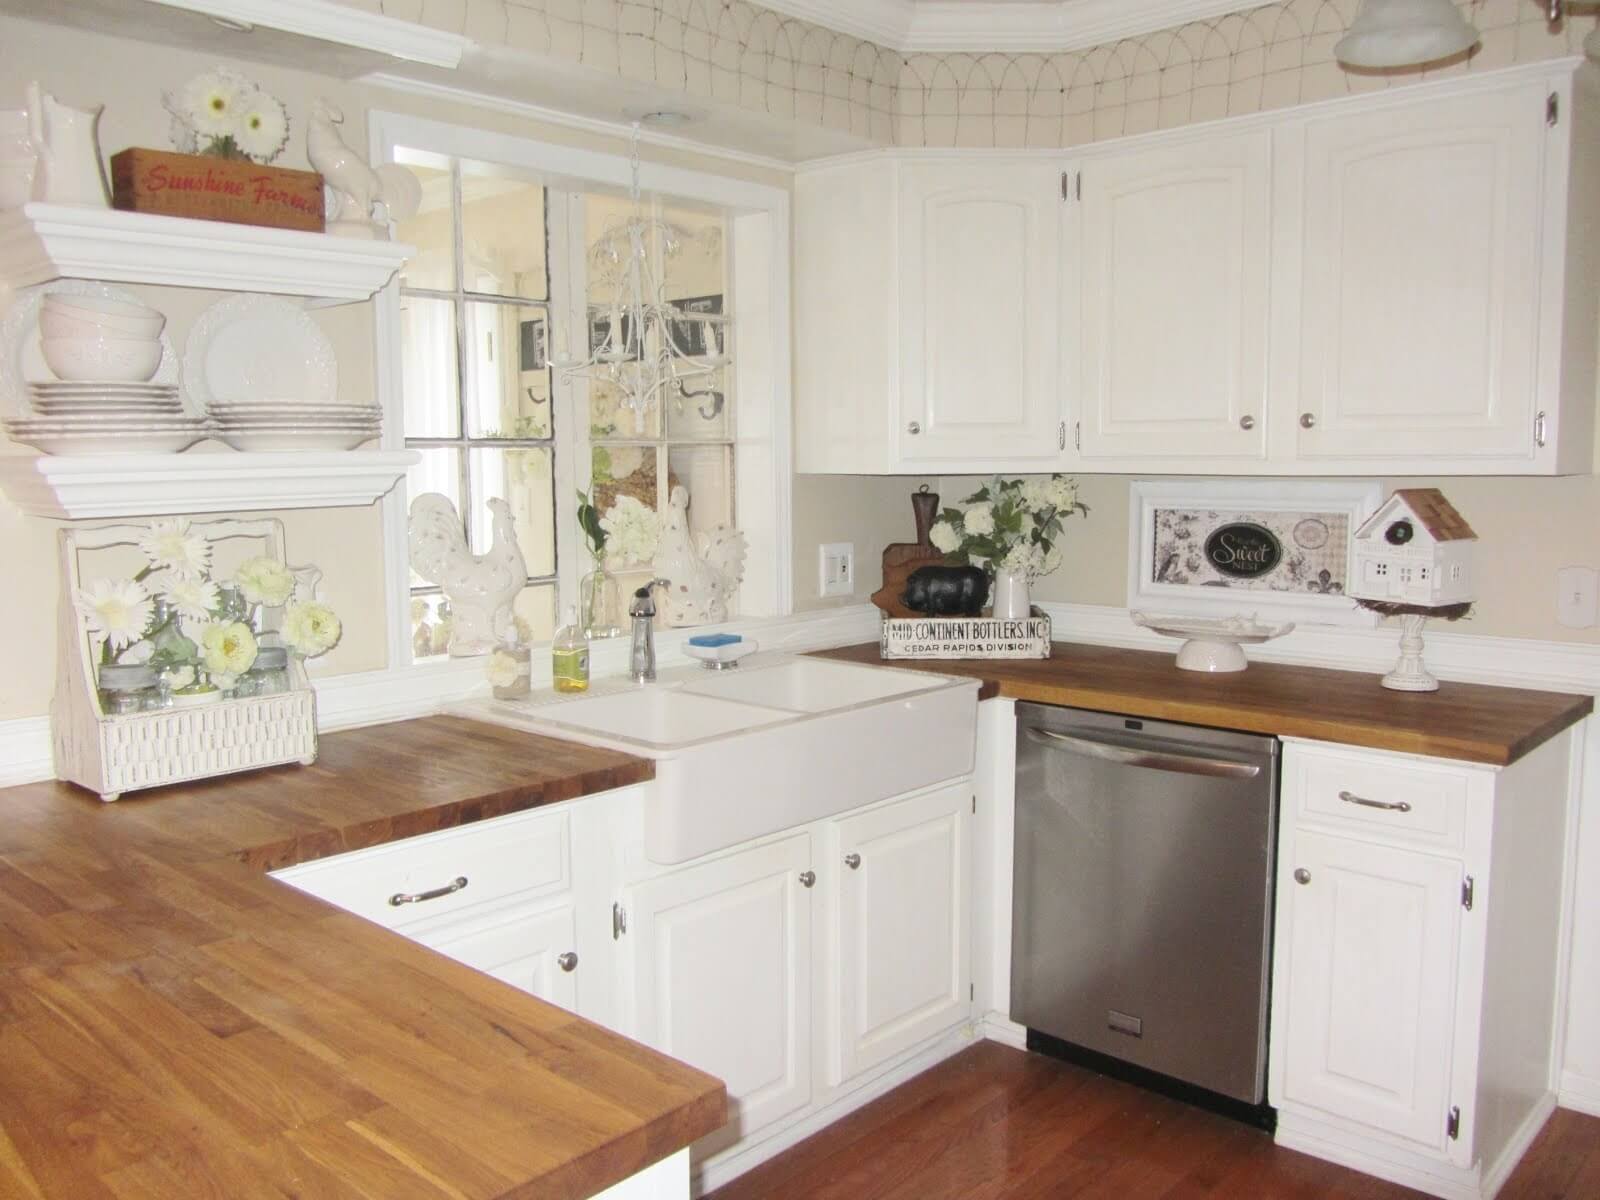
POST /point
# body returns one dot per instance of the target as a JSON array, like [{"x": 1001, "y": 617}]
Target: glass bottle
[
  {"x": 569, "y": 657},
  {"x": 599, "y": 604},
  {"x": 125, "y": 688},
  {"x": 269, "y": 674}
]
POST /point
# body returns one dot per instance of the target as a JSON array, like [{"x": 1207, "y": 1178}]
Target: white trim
[
  {"x": 1496, "y": 1173},
  {"x": 620, "y": 130},
  {"x": 999, "y": 25},
  {"x": 25, "y": 755},
  {"x": 994, "y": 1027},
  {"x": 341, "y": 24},
  {"x": 1579, "y": 1093},
  {"x": 1296, "y": 1132}
]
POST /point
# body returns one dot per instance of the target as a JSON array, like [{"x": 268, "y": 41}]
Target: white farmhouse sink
[{"x": 776, "y": 743}]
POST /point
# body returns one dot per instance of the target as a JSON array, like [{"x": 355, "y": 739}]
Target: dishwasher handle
[{"x": 1156, "y": 760}]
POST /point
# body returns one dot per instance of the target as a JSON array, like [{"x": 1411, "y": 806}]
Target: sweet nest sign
[{"x": 1271, "y": 548}]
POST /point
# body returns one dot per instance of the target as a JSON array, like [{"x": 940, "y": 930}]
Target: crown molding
[
  {"x": 913, "y": 26},
  {"x": 338, "y": 23}
]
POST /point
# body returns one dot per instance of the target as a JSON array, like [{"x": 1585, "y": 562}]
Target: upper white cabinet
[
  {"x": 1165, "y": 337},
  {"x": 927, "y": 315}
]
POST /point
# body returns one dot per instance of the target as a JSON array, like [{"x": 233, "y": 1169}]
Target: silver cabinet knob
[
  {"x": 1247, "y": 422},
  {"x": 853, "y": 861},
  {"x": 567, "y": 961},
  {"x": 808, "y": 878},
  {"x": 1301, "y": 875},
  {"x": 1308, "y": 420},
  {"x": 914, "y": 428}
]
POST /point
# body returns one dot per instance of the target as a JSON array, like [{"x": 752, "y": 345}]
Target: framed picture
[
  {"x": 1276, "y": 548},
  {"x": 690, "y": 335},
  {"x": 535, "y": 345}
]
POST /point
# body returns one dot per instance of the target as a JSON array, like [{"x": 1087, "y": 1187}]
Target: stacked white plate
[
  {"x": 292, "y": 425},
  {"x": 92, "y": 417}
]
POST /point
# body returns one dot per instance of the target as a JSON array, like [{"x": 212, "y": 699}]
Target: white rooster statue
[
  {"x": 705, "y": 570},
  {"x": 357, "y": 189},
  {"x": 480, "y": 587}
]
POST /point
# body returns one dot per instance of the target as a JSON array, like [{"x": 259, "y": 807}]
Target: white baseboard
[
  {"x": 25, "y": 755},
  {"x": 1436, "y": 1179},
  {"x": 1496, "y": 1173},
  {"x": 994, "y": 1027},
  {"x": 1579, "y": 1093}
]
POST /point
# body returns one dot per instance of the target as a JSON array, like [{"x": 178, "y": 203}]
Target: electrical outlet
[
  {"x": 837, "y": 569},
  {"x": 1575, "y": 596}
]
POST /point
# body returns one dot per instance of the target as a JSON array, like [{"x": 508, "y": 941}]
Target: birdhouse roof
[{"x": 1428, "y": 505}]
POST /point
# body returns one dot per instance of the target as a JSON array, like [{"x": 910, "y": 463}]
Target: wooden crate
[{"x": 216, "y": 189}]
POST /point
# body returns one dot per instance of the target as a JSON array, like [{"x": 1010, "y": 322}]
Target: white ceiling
[{"x": 943, "y": 25}]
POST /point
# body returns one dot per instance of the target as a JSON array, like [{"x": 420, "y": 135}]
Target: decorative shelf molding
[
  {"x": 153, "y": 485},
  {"x": 340, "y": 24},
  {"x": 41, "y": 242}
]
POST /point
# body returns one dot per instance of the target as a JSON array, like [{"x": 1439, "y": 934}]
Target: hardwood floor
[{"x": 995, "y": 1122}]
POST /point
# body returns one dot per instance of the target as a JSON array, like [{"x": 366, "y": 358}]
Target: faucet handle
[{"x": 643, "y": 603}]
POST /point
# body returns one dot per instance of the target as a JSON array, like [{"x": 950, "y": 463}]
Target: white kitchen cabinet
[
  {"x": 722, "y": 960},
  {"x": 927, "y": 315},
  {"x": 1165, "y": 329},
  {"x": 534, "y": 951},
  {"x": 1415, "y": 959},
  {"x": 901, "y": 946}
]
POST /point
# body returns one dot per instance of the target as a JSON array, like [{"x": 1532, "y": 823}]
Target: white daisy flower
[
  {"x": 171, "y": 547},
  {"x": 116, "y": 610},
  {"x": 208, "y": 102},
  {"x": 193, "y": 598},
  {"x": 263, "y": 126},
  {"x": 310, "y": 629}
]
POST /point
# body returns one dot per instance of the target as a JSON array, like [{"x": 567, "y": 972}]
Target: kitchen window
[{"x": 511, "y": 277}]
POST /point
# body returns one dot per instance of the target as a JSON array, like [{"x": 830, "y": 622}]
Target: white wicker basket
[{"x": 115, "y": 754}]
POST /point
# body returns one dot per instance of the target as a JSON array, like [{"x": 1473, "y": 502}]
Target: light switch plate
[
  {"x": 1575, "y": 596},
  {"x": 836, "y": 564}
]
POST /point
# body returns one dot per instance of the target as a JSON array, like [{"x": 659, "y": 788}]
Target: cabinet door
[
  {"x": 1420, "y": 279},
  {"x": 1169, "y": 247},
  {"x": 979, "y": 301},
  {"x": 722, "y": 976},
  {"x": 1368, "y": 957},
  {"x": 523, "y": 951},
  {"x": 902, "y": 946}
]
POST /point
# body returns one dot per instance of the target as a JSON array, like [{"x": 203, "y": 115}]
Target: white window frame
[{"x": 758, "y": 270}]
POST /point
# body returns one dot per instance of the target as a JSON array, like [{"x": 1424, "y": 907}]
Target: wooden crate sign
[
  {"x": 216, "y": 189},
  {"x": 966, "y": 637}
]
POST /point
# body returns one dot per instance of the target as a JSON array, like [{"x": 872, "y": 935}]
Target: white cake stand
[{"x": 1212, "y": 643}]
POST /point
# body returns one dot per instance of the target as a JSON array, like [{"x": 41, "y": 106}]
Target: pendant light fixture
[{"x": 1405, "y": 33}]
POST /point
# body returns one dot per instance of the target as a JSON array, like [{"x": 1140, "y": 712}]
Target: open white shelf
[
  {"x": 41, "y": 242},
  {"x": 149, "y": 485}
]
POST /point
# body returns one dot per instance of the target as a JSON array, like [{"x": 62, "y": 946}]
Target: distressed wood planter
[{"x": 216, "y": 189}]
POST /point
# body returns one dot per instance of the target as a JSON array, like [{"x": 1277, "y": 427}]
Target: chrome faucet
[{"x": 642, "y": 608}]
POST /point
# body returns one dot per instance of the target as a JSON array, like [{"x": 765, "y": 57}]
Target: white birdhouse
[{"x": 1416, "y": 549}]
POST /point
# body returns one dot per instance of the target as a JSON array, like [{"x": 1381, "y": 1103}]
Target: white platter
[
  {"x": 309, "y": 424},
  {"x": 1212, "y": 643},
  {"x": 296, "y": 410},
  {"x": 163, "y": 442},
  {"x": 96, "y": 422},
  {"x": 258, "y": 348},
  {"x": 288, "y": 439},
  {"x": 79, "y": 387},
  {"x": 23, "y": 361}
]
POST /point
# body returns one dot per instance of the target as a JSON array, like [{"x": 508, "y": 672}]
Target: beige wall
[{"x": 870, "y": 511}]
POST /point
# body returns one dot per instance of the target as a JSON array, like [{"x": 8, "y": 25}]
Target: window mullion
[{"x": 565, "y": 259}]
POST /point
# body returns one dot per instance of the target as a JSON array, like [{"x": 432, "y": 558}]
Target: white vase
[{"x": 1011, "y": 602}]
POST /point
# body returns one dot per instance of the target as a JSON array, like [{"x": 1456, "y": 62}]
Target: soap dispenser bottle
[{"x": 569, "y": 656}]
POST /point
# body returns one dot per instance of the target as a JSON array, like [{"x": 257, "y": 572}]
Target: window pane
[
  {"x": 610, "y": 418},
  {"x": 503, "y": 236},
  {"x": 707, "y": 473},
  {"x": 619, "y": 470},
  {"x": 508, "y": 379},
  {"x": 428, "y": 367},
  {"x": 695, "y": 417},
  {"x": 432, "y": 232},
  {"x": 535, "y": 610},
  {"x": 430, "y": 626},
  {"x": 525, "y": 479},
  {"x": 692, "y": 259},
  {"x": 439, "y": 471}
]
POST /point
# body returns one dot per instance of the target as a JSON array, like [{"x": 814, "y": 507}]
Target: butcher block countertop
[
  {"x": 1467, "y": 721},
  {"x": 174, "y": 1023}
]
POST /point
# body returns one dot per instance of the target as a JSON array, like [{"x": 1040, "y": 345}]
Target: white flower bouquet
[
  {"x": 626, "y": 534},
  {"x": 1010, "y": 525},
  {"x": 225, "y": 115}
]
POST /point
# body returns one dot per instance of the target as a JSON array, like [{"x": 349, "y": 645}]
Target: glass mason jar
[
  {"x": 599, "y": 605},
  {"x": 125, "y": 688},
  {"x": 269, "y": 674},
  {"x": 520, "y": 684}
]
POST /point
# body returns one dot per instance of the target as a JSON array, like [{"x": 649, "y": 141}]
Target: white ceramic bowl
[
  {"x": 102, "y": 359},
  {"x": 53, "y": 323},
  {"x": 116, "y": 317}
]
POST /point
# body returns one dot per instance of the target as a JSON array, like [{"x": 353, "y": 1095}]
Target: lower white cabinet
[
  {"x": 1415, "y": 960},
  {"x": 533, "y": 951}
]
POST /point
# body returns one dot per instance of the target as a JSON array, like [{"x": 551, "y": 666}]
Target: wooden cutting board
[{"x": 899, "y": 560}]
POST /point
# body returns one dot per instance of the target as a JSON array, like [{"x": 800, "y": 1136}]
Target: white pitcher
[
  {"x": 17, "y": 160},
  {"x": 69, "y": 157}
]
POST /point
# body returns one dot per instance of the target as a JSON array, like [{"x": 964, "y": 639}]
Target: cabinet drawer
[
  {"x": 1367, "y": 795},
  {"x": 522, "y": 855}
]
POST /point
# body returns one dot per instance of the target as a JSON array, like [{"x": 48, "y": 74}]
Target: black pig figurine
[{"x": 947, "y": 591}]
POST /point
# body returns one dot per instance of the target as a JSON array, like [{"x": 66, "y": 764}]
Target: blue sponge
[{"x": 713, "y": 640}]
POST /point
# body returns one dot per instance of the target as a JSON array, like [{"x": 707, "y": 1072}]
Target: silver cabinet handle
[
  {"x": 1156, "y": 760},
  {"x": 1301, "y": 875},
  {"x": 914, "y": 428},
  {"x": 1386, "y": 805},
  {"x": 853, "y": 861},
  {"x": 1247, "y": 422},
  {"x": 808, "y": 878},
  {"x": 1308, "y": 420},
  {"x": 567, "y": 961},
  {"x": 455, "y": 885}
]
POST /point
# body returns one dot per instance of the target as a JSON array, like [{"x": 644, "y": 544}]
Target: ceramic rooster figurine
[
  {"x": 705, "y": 571},
  {"x": 357, "y": 188},
  {"x": 480, "y": 587}
]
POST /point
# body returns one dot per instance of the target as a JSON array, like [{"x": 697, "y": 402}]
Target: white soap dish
[
  {"x": 1212, "y": 643},
  {"x": 720, "y": 658}
]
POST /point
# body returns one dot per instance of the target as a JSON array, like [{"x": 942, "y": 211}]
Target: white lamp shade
[{"x": 1403, "y": 33}]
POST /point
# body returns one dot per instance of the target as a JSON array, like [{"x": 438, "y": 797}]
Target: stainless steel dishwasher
[{"x": 1141, "y": 913}]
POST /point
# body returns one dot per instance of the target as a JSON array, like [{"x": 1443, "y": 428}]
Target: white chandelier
[{"x": 649, "y": 350}]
